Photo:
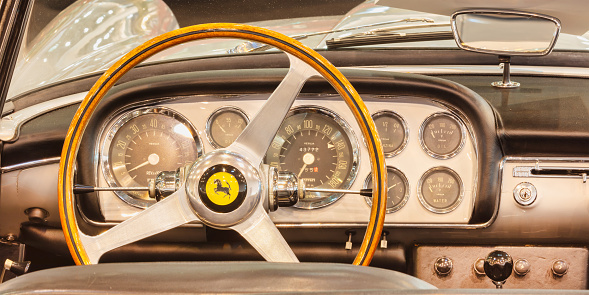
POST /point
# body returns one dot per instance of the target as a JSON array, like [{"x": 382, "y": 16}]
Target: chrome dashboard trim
[
  {"x": 10, "y": 124},
  {"x": 30, "y": 164}
]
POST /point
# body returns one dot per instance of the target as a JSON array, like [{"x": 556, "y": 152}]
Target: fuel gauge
[
  {"x": 225, "y": 125},
  {"x": 392, "y": 130}
]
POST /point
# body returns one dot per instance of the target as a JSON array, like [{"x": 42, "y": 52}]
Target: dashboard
[
  {"x": 481, "y": 183},
  {"x": 317, "y": 141}
]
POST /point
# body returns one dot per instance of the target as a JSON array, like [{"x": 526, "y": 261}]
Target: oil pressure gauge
[
  {"x": 225, "y": 125},
  {"x": 442, "y": 135}
]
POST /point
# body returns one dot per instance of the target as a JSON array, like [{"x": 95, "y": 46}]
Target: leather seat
[{"x": 209, "y": 277}]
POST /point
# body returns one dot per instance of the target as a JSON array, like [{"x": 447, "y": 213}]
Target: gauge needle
[
  {"x": 432, "y": 133},
  {"x": 392, "y": 186},
  {"x": 302, "y": 169},
  {"x": 138, "y": 166},
  {"x": 220, "y": 126}
]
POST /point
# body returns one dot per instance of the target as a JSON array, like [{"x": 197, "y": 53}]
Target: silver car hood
[{"x": 91, "y": 35}]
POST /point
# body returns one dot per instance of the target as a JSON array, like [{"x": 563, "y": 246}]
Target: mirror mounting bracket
[{"x": 506, "y": 82}]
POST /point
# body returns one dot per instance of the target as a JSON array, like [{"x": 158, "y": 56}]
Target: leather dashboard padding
[{"x": 204, "y": 277}]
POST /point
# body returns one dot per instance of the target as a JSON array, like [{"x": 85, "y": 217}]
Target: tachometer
[
  {"x": 319, "y": 147},
  {"x": 144, "y": 142}
]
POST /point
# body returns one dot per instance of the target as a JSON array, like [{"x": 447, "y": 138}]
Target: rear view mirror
[{"x": 505, "y": 32}]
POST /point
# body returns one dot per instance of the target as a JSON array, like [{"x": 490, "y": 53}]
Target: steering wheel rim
[{"x": 290, "y": 46}]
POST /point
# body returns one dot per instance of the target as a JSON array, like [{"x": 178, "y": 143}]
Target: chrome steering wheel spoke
[
  {"x": 262, "y": 234},
  {"x": 255, "y": 139},
  {"x": 171, "y": 212}
]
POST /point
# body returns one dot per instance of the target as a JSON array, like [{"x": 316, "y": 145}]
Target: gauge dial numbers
[
  {"x": 141, "y": 144},
  {"x": 440, "y": 190},
  {"x": 225, "y": 125},
  {"x": 392, "y": 130},
  {"x": 398, "y": 190},
  {"x": 319, "y": 147},
  {"x": 442, "y": 136}
]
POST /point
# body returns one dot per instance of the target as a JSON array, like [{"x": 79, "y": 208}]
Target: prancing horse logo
[{"x": 222, "y": 189}]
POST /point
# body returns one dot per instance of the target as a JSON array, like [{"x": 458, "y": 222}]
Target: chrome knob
[
  {"x": 560, "y": 268},
  {"x": 479, "y": 266},
  {"x": 443, "y": 266},
  {"x": 498, "y": 267},
  {"x": 521, "y": 267}
]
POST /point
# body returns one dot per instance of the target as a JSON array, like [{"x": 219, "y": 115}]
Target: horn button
[{"x": 223, "y": 188}]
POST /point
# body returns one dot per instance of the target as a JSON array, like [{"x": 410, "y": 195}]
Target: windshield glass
[{"x": 67, "y": 39}]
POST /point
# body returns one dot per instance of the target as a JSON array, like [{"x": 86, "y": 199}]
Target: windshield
[{"x": 68, "y": 39}]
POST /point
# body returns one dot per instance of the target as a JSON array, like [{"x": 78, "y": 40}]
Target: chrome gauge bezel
[
  {"x": 407, "y": 190},
  {"x": 462, "y": 134},
  {"x": 112, "y": 127},
  {"x": 355, "y": 152},
  {"x": 456, "y": 203},
  {"x": 208, "y": 132},
  {"x": 405, "y": 128}
]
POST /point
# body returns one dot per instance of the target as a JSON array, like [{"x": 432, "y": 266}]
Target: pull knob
[
  {"x": 560, "y": 268},
  {"x": 521, "y": 267},
  {"x": 498, "y": 267},
  {"x": 443, "y": 266}
]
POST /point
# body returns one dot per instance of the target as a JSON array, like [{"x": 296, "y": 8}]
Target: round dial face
[
  {"x": 398, "y": 190},
  {"x": 392, "y": 131},
  {"x": 442, "y": 135},
  {"x": 440, "y": 190},
  {"x": 143, "y": 143},
  {"x": 225, "y": 125},
  {"x": 319, "y": 148}
]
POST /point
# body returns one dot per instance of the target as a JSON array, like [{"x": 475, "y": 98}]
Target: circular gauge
[
  {"x": 398, "y": 192},
  {"x": 442, "y": 135},
  {"x": 440, "y": 190},
  {"x": 142, "y": 143},
  {"x": 319, "y": 147},
  {"x": 225, "y": 125},
  {"x": 392, "y": 130}
]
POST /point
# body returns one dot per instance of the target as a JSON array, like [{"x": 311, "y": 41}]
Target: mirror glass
[{"x": 505, "y": 33}]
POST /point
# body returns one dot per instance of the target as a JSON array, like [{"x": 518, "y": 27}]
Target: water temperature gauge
[{"x": 440, "y": 190}]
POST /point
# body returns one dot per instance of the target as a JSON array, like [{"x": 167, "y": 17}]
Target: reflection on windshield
[{"x": 88, "y": 36}]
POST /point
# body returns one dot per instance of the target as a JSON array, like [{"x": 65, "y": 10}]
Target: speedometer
[
  {"x": 142, "y": 143},
  {"x": 319, "y": 147}
]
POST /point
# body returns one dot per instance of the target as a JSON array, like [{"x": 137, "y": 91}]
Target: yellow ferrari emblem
[{"x": 222, "y": 188}]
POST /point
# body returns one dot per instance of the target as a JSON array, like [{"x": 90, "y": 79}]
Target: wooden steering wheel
[{"x": 241, "y": 160}]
